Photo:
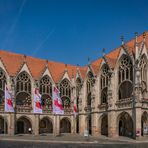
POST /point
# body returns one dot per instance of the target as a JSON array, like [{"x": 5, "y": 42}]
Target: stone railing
[
  {"x": 23, "y": 109},
  {"x": 88, "y": 108},
  {"x": 67, "y": 110},
  {"x": 124, "y": 103},
  {"x": 47, "y": 109},
  {"x": 144, "y": 102},
  {"x": 103, "y": 106}
]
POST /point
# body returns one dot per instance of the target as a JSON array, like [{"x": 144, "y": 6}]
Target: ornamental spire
[
  {"x": 122, "y": 40},
  {"x": 88, "y": 59},
  {"x": 136, "y": 38},
  {"x": 144, "y": 36},
  {"x": 103, "y": 52}
]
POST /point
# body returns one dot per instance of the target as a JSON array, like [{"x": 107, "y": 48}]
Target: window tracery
[
  {"x": 2, "y": 85},
  {"x": 90, "y": 82},
  {"x": 125, "y": 69},
  {"x": 125, "y": 77},
  {"x": 78, "y": 89},
  {"x": 104, "y": 83},
  {"x": 46, "y": 91},
  {"x": 23, "y": 89},
  {"x": 143, "y": 69},
  {"x": 65, "y": 93}
]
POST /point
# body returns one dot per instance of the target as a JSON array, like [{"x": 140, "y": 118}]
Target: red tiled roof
[
  {"x": 13, "y": 63},
  {"x": 113, "y": 55},
  {"x": 96, "y": 65}
]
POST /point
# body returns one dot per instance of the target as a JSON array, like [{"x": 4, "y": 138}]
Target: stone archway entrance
[
  {"x": 144, "y": 124},
  {"x": 3, "y": 126},
  {"x": 65, "y": 126},
  {"x": 104, "y": 125},
  {"x": 23, "y": 125},
  {"x": 46, "y": 126},
  {"x": 77, "y": 124},
  {"x": 125, "y": 125}
]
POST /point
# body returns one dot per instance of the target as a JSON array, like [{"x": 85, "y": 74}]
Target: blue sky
[{"x": 69, "y": 31}]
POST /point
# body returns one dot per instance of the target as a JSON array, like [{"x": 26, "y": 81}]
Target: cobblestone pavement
[{"x": 72, "y": 138}]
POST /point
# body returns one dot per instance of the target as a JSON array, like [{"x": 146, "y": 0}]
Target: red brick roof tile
[{"x": 13, "y": 63}]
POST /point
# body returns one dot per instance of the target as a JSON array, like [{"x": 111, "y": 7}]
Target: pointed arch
[
  {"x": 104, "y": 83},
  {"x": 3, "y": 125},
  {"x": 144, "y": 123},
  {"x": 78, "y": 89},
  {"x": 65, "y": 93},
  {"x": 143, "y": 69},
  {"x": 89, "y": 82},
  {"x": 104, "y": 124},
  {"x": 46, "y": 125},
  {"x": 65, "y": 125},
  {"x": 125, "y": 124},
  {"x": 23, "y": 125},
  {"x": 125, "y": 77},
  {"x": 23, "y": 90},
  {"x": 2, "y": 85},
  {"x": 46, "y": 92}
]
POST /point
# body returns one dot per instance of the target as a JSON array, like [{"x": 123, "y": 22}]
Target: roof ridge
[{"x": 28, "y": 56}]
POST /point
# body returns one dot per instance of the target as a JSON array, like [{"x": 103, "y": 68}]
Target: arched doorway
[
  {"x": 46, "y": 126},
  {"x": 65, "y": 126},
  {"x": 89, "y": 118},
  {"x": 3, "y": 126},
  {"x": 144, "y": 124},
  {"x": 104, "y": 125},
  {"x": 89, "y": 124},
  {"x": 125, "y": 125},
  {"x": 77, "y": 124},
  {"x": 23, "y": 125}
]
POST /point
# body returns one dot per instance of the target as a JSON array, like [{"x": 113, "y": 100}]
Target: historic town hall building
[{"x": 111, "y": 93}]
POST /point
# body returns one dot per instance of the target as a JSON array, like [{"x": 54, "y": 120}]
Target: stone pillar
[
  {"x": 95, "y": 131},
  {"x": 73, "y": 124},
  {"x": 35, "y": 125},
  {"x": 56, "y": 125},
  {"x": 11, "y": 124},
  {"x": 82, "y": 123},
  {"x": 138, "y": 123},
  {"x": 112, "y": 124}
]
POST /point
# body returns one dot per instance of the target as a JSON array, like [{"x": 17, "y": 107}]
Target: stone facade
[{"x": 111, "y": 93}]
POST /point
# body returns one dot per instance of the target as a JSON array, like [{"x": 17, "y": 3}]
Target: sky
[{"x": 69, "y": 31}]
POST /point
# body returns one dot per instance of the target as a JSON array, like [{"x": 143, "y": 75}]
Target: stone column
[
  {"x": 11, "y": 124},
  {"x": 56, "y": 125},
  {"x": 95, "y": 131},
  {"x": 35, "y": 125},
  {"x": 138, "y": 123},
  {"x": 73, "y": 124},
  {"x": 112, "y": 124},
  {"x": 82, "y": 123}
]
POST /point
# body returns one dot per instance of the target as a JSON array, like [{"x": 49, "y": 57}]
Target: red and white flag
[
  {"x": 8, "y": 100},
  {"x": 75, "y": 107},
  {"x": 57, "y": 102},
  {"x": 37, "y": 102}
]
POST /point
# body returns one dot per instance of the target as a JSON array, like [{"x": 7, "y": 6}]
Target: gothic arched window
[
  {"x": 23, "y": 89},
  {"x": 89, "y": 85},
  {"x": 65, "y": 93},
  {"x": 46, "y": 91},
  {"x": 78, "y": 89},
  {"x": 104, "y": 83},
  {"x": 125, "y": 77},
  {"x": 143, "y": 69},
  {"x": 2, "y": 85}
]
